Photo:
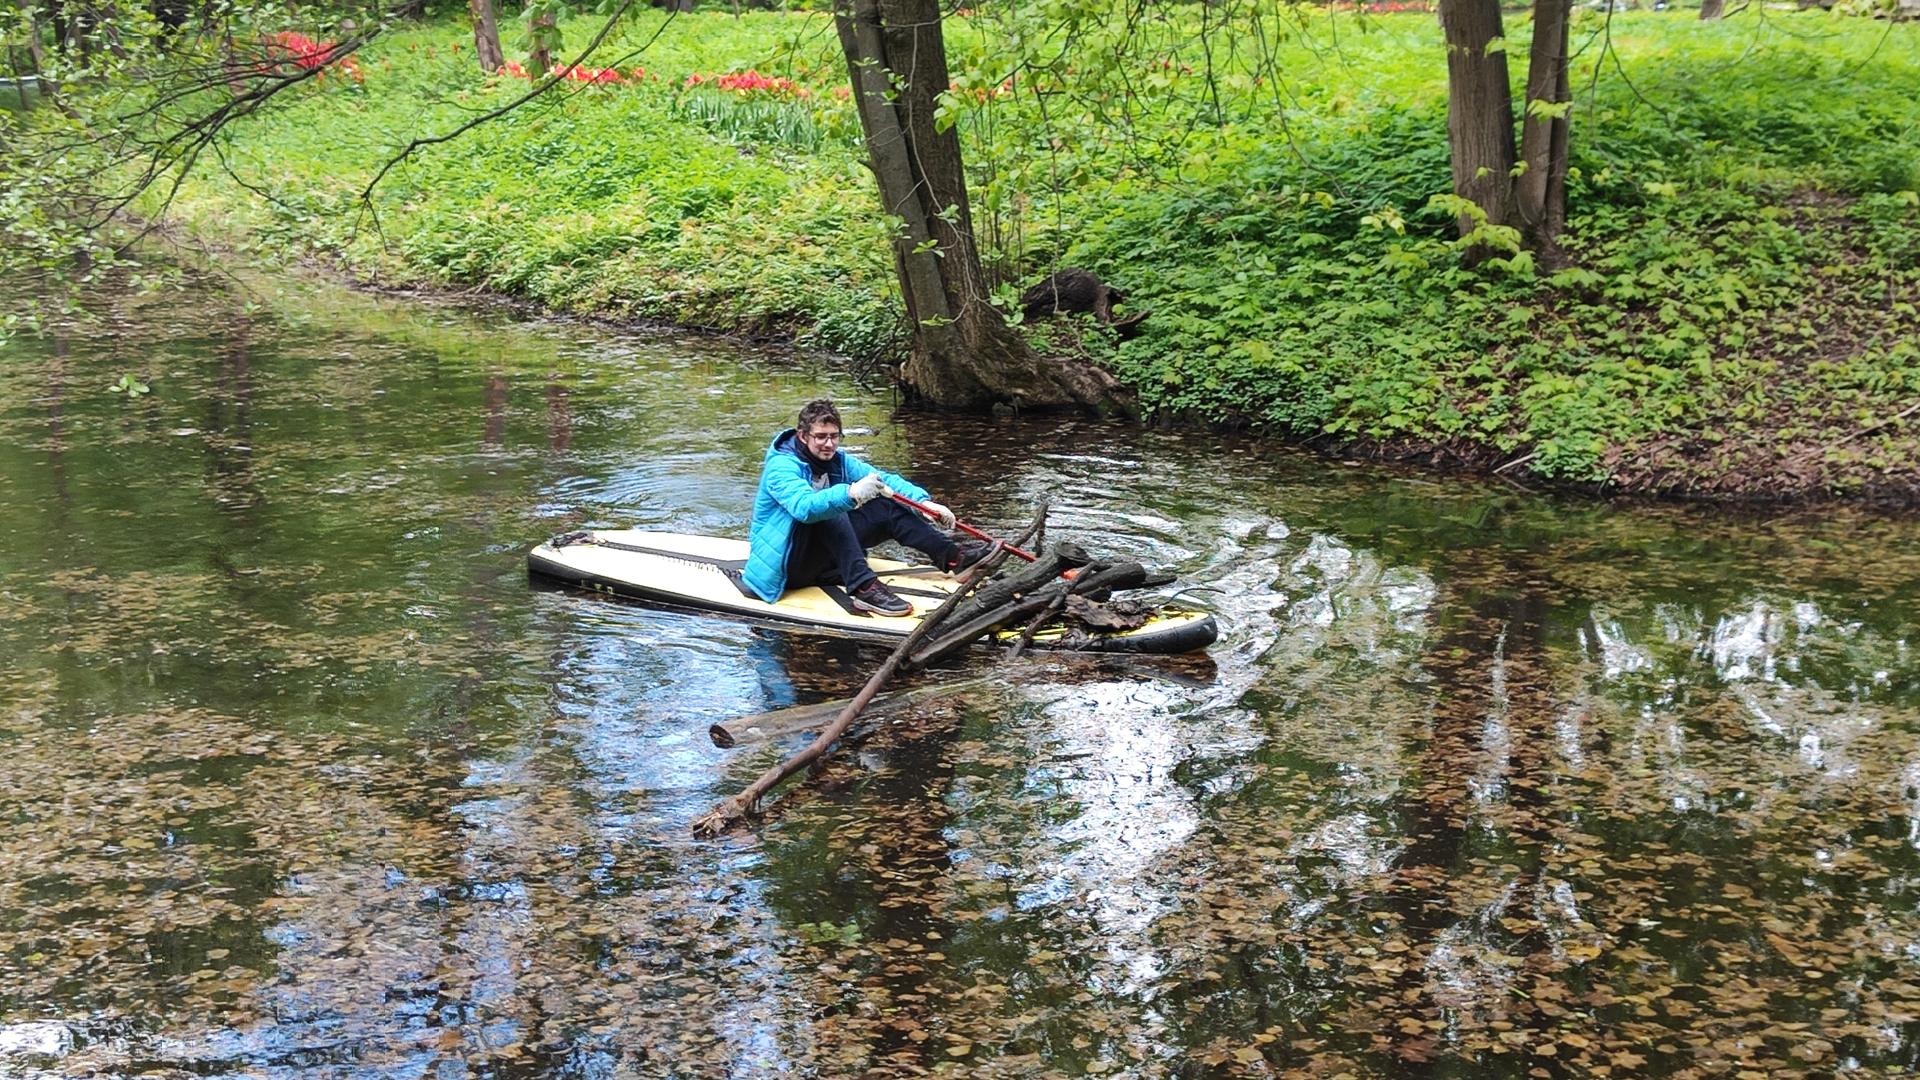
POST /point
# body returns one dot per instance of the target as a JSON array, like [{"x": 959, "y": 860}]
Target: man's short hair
[{"x": 817, "y": 411}]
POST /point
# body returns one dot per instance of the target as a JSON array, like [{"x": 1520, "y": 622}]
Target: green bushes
[
  {"x": 1743, "y": 223},
  {"x": 1727, "y": 233},
  {"x": 763, "y": 122}
]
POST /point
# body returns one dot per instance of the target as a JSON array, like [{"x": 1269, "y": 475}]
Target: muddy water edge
[{"x": 299, "y": 776}]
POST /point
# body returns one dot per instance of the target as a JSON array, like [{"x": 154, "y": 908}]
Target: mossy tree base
[{"x": 964, "y": 355}]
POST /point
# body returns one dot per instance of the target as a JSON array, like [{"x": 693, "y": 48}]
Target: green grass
[{"x": 1741, "y": 317}]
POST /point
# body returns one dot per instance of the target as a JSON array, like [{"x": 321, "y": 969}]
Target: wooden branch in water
[
  {"x": 981, "y": 624},
  {"x": 736, "y": 809},
  {"x": 773, "y": 724}
]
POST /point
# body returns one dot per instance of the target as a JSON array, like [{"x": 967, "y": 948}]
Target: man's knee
[
  {"x": 833, "y": 536},
  {"x": 878, "y": 520}
]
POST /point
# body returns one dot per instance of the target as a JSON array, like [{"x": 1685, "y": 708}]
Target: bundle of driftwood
[{"x": 1062, "y": 582}]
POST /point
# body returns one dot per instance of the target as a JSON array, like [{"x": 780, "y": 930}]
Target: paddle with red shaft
[{"x": 963, "y": 527}]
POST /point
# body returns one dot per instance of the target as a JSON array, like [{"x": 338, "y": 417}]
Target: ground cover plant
[{"x": 1739, "y": 318}]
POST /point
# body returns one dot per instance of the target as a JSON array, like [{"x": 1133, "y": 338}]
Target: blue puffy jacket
[{"x": 788, "y": 498}]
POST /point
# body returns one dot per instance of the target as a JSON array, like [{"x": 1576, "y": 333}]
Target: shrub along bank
[{"x": 1740, "y": 319}]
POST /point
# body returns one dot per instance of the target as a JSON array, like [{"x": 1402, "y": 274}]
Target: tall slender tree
[
  {"x": 1540, "y": 191},
  {"x": 543, "y": 34},
  {"x": 30, "y": 19},
  {"x": 486, "y": 35}
]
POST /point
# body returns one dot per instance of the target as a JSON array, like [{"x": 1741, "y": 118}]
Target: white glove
[
  {"x": 942, "y": 516},
  {"x": 867, "y": 488}
]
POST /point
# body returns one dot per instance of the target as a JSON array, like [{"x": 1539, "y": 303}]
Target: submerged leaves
[{"x": 298, "y": 777}]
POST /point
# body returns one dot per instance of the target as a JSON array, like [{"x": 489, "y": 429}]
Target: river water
[{"x": 300, "y": 777}]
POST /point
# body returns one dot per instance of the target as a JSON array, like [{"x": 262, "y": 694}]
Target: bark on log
[
  {"x": 776, "y": 723},
  {"x": 1095, "y": 615},
  {"x": 1120, "y": 575},
  {"x": 984, "y": 622},
  {"x": 1033, "y": 627},
  {"x": 1116, "y": 576},
  {"x": 1039, "y": 573}
]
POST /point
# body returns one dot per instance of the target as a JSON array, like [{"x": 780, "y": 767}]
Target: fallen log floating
[{"x": 776, "y": 723}]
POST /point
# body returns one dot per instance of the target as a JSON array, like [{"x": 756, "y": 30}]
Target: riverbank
[{"x": 1740, "y": 323}]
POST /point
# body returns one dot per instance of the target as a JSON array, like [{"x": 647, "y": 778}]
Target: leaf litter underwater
[{"x": 302, "y": 780}]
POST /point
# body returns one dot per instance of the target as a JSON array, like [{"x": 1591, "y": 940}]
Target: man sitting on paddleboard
[{"x": 819, "y": 509}]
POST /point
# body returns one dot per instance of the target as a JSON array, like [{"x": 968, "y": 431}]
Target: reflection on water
[{"x": 302, "y": 778}]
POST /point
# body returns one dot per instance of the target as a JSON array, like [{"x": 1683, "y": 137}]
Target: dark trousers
[{"x": 834, "y": 551}]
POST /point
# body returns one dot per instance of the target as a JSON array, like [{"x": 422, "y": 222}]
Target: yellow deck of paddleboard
[{"x": 693, "y": 571}]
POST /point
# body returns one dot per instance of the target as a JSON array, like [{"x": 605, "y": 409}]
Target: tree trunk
[
  {"x": 107, "y": 18},
  {"x": 170, "y": 14},
  {"x": 61, "y": 26},
  {"x": 35, "y": 54},
  {"x": 963, "y": 354},
  {"x": 1540, "y": 194},
  {"x": 80, "y": 27},
  {"x": 486, "y": 35},
  {"x": 1712, "y": 9},
  {"x": 540, "y": 58},
  {"x": 1479, "y": 109},
  {"x": 798, "y": 719}
]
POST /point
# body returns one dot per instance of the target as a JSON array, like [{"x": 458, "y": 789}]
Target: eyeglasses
[{"x": 822, "y": 436}]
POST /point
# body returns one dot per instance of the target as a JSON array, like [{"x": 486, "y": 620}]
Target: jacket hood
[{"x": 788, "y": 442}]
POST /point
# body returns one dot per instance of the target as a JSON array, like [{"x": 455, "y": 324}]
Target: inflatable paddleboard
[{"x": 703, "y": 573}]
